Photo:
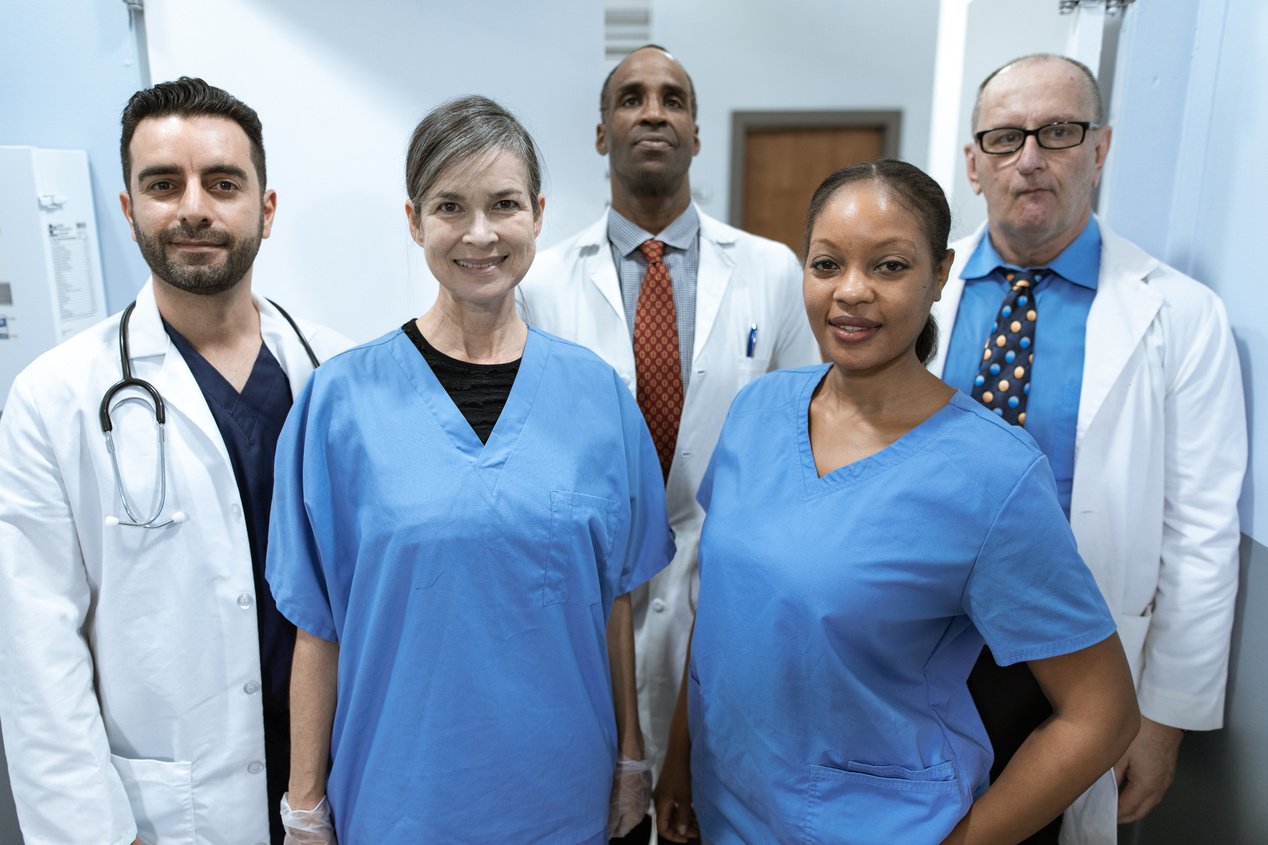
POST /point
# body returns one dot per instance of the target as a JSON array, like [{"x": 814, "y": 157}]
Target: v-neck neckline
[
  {"x": 506, "y": 431},
  {"x": 236, "y": 404},
  {"x": 857, "y": 471}
]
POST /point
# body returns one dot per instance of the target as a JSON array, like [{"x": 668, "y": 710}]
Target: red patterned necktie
[{"x": 657, "y": 365}]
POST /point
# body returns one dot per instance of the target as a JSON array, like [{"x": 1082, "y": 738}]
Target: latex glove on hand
[
  {"x": 307, "y": 827},
  {"x": 631, "y": 795}
]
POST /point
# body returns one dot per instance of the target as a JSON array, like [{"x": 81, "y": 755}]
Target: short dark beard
[{"x": 201, "y": 279}]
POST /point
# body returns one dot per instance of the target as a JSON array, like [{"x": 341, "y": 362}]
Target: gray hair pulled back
[{"x": 460, "y": 132}]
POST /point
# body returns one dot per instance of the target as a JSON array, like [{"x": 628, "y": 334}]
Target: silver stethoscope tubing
[{"x": 135, "y": 519}]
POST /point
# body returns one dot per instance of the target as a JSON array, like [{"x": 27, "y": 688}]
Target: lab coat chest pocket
[
  {"x": 581, "y": 528},
  {"x": 750, "y": 369},
  {"x": 162, "y": 797}
]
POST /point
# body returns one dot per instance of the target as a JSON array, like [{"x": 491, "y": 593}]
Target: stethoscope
[{"x": 135, "y": 519}]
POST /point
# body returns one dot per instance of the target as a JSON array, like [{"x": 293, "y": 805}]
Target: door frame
[{"x": 742, "y": 121}]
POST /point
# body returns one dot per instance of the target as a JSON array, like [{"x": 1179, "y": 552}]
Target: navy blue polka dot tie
[{"x": 1003, "y": 382}]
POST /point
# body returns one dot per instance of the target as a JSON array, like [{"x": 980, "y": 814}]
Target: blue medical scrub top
[
  {"x": 468, "y": 586},
  {"x": 839, "y": 617}
]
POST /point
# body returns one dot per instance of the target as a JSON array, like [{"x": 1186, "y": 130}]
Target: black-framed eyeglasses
[{"x": 1060, "y": 135}]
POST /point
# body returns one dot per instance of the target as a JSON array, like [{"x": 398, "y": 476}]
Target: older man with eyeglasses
[{"x": 1125, "y": 373}]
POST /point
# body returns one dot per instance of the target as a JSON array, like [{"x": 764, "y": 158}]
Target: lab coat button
[
  {"x": 658, "y": 605},
  {"x": 245, "y": 601},
  {"x": 250, "y": 687},
  {"x": 255, "y": 767},
  {"x": 237, "y": 511}
]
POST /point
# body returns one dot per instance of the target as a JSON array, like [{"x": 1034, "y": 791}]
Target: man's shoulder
[
  {"x": 63, "y": 386},
  {"x": 965, "y": 244},
  {"x": 591, "y": 237},
  {"x": 726, "y": 235},
  {"x": 1123, "y": 261},
  {"x": 286, "y": 325},
  {"x": 570, "y": 354},
  {"x": 552, "y": 266},
  {"x": 67, "y": 363}
]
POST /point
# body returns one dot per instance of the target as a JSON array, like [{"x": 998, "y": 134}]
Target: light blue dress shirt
[{"x": 1063, "y": 299}]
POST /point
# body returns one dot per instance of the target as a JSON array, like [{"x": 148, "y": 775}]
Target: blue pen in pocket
[{"x": 752, "y": 341}]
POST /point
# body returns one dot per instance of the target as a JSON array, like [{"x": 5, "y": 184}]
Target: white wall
[
  {"x": 821, "y": 55},
  {"x": 339, "y": 87}
]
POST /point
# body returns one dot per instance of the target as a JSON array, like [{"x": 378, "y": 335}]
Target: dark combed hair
[
  {"x": 190, "y": 97},
  {"x": 606, "y": 90},
  {"x": 918, "y": 193}
]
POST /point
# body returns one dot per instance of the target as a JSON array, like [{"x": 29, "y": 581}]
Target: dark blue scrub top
[{"x": 249, "y": 424}]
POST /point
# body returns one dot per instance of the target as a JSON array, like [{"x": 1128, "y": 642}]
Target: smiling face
[
  {"x": 1038, "y": 201},
  {"x": 648, "y": 130},
  {"x": 197, "y": 210},
  {"x": 478, "y": 226},
  {"x": 870, "y": 279}
]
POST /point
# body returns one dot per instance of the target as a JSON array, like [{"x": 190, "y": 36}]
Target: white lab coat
[
  {"x": 1160, "y": 451},
  {"x": 129, "y": 664},
  {"x": 573, "y": 291}
]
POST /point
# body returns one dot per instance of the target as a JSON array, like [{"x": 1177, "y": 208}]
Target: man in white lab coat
[
  {"x": 143, "y": 666},
  {"x": 1136, "y": 399},
  {"x": 735, "y": 313}
]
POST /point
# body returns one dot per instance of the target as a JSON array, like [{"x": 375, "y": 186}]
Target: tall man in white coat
[
  {"x": 1136, "y": 399},
  {"x": 730, "y": 310},
  {"x": 143, "y": 665}
]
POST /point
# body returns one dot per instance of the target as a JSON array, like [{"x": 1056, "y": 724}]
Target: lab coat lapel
[
  {"x": 282, "y": 341},
  {"x": 1121, "y": 313},
  {"x": 156, "y": 360},
  {"x": 600, "y": 269},
  {"x": 716, "y": 267},
  {"x": 948, "y": 305}
]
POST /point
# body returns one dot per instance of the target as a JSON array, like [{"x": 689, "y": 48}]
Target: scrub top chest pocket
[{"x": 581, "y": 529}]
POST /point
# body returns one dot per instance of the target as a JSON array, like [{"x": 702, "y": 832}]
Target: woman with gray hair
[{"x": 461, "y": 508}]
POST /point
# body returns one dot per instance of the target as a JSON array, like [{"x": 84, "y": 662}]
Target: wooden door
[{"x": 782, "y": 167}]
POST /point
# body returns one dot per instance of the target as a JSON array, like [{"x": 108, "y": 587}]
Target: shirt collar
[
  {"x": 1080, "y": 262},
  {"x": 627, "y": 236}
]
